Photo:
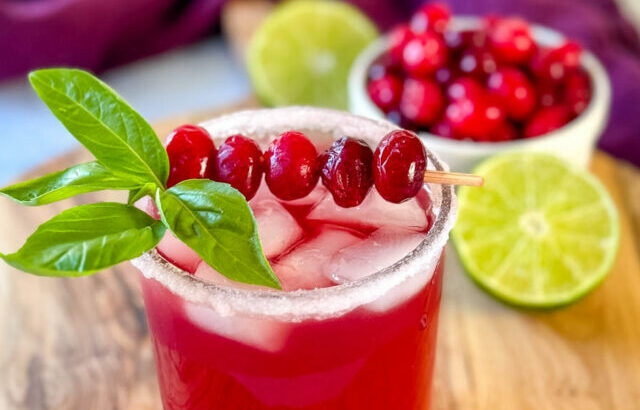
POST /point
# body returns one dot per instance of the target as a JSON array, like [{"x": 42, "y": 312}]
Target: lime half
[
  {"x": 302, "y": 53},
  {"x": 539, "y": 233}
]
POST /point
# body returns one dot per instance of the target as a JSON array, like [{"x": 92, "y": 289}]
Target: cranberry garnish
[
  {"x": 475, "y": 116},
  {"x": 553, "y": 64},
  {"x": 514, "y": 92},
  {"x": 577, "y": 91},
  {"x": 477, "y": 62},
  {"x": 385, "y": 91},
  {"x": 240, "y": 164},
  {"x": 424, "y": 54},
  {"x": 431, "y": 17},
  {"x": 291, "y": 166},
  {"x": 510, "y": 40},
  {"x": 547, "y": 120},
  {"x": 422, "y": 101},
  {"x": 398, "y": 39},
  {"x": 346, "y": 171},
  {"x": 464, "y": 87},
  {"x": 399, "y": 165},
  {"x": 192, "y": 154}
]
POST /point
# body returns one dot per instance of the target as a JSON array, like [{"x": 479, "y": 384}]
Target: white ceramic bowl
[{"x": 574, "y": 142}]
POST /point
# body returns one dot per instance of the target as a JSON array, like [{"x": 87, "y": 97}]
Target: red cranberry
[
  {"x": 396, "y": 117},
  {"x": 553, "y": 64},
  {"x": 385, "y": 92},
  {"x": 346, "y": 171},
  {"x": 398, "y": 39},
  {"x": 383, "y": 65},
  {"x": 291, "y": 166},
  {"x": 514, "y": 92},
  {"x": 504, "y": 132},
  {"x": 192, "y": 154},
  {"x": 424, "y": 54},
  {"x": 444, "y": 75},
  {"x": 399, "y": 165},
  {"x": 443, "y": 129},
  {"x": 549, "y": 93},
  {"x": 547, "y": 120},
  {"x": 475, "y": 116},
  {"x": 477, "y": 62},
  {"x": 458, "y": 41},
  {"x": 577, "y": 91},
  {"x": 510, "y": 41},
  {"x": 464, "y": 87},
  {"x": 431, "y": 17},
  {"x": 240, "y": 164},
  {"x": 455, "y": 40},
  {"x": 422, "y": 101}
]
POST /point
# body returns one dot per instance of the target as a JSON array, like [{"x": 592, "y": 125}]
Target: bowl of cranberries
[{"x": 475, "y": 86}]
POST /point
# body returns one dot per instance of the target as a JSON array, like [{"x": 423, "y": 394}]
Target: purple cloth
[
  {"x": 96, "y": 34},
  {"x": 100, "y": 34}
]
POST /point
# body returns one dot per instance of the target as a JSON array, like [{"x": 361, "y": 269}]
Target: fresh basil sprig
[{"x": 212, "y": 218}]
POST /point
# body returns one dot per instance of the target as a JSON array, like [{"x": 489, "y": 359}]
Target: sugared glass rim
[{"x": 316, "y": 303}]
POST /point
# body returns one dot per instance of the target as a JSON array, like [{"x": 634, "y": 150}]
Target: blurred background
[{"x": 174, "y": 56}]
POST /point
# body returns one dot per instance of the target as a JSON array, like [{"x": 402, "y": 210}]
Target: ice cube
[
  {"x": 262, "y": 333},
  {"x": 147, "y": 205},
  {"x": 259, "y": 332},
  {"x": 170, "y": 247},
  {"x": 278, "y": 230},
  {"x": 383, "y": 248},
  {"x": 176, "y": 252},
  {"x": 303, "y": 267},
  {"x": 315, "y": 196},
  {"x": 374, "y": 212}
]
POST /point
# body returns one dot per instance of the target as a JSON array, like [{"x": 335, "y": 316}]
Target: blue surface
[{"x": 193, "y": 78}]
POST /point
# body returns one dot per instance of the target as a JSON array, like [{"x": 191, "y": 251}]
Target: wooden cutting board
[{"x": 83, "y": 343}]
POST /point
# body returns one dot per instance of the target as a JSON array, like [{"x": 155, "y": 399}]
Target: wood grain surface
[{"x": 83, "y": 343}]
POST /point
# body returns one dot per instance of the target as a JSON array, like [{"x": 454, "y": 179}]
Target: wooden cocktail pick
[{"x": 452, "y": 178}]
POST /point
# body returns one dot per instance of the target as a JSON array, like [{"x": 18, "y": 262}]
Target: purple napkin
[
  {"x": 96, "y": 34},
  {"x": 101, "y": 34}
]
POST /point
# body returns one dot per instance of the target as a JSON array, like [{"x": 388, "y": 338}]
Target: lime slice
[
  {"x": 302, "y": 53},
  {"x": 539, "y": 233}
]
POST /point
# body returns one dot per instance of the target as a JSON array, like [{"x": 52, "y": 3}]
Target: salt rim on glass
[{"x": 321, "y": 303}]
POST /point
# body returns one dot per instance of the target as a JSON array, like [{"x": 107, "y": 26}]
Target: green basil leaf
[
  {"x": 104, "y": 123},
  {"x": 86, "y": 239},
  {"x": 79, "y": 179},
  {"x": 215, "y": 220}
]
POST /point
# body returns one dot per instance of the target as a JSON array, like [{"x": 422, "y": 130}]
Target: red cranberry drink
[{"x": 361, "y": 271}]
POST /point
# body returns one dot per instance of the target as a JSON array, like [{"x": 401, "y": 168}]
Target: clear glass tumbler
[{"x": 368, "y": 344}]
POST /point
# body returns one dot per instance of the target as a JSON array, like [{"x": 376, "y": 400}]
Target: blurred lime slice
[
  {"x": 539, "y": 233},
  {"x": 302, "y": 53}
]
